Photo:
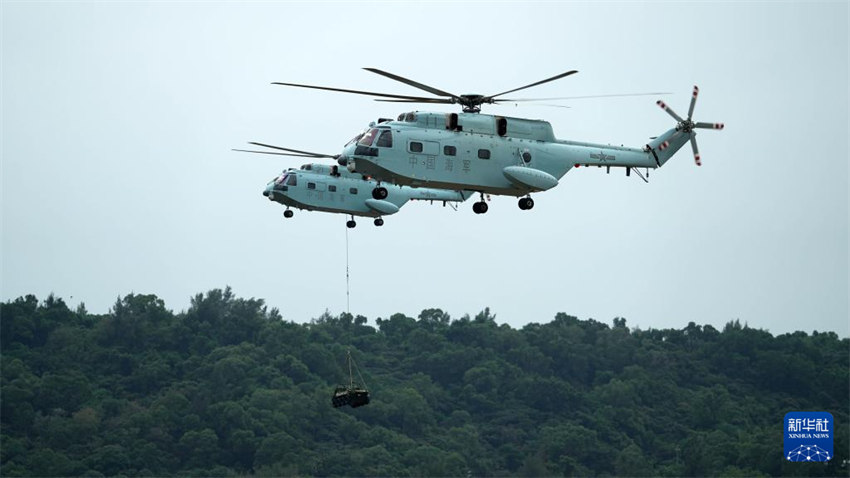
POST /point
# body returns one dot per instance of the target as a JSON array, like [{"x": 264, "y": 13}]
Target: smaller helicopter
[{"x": 329, "y": 188}]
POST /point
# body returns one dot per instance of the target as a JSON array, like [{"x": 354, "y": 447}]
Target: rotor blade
[
  {"x": 429, "y": 89},
  {"x": 275, "y": 153},
  {"x": 709, "y": 125},
  {"x": 305, "y": 153},
  {"x": 421, "y": 100},
  {"x": 693, "y": 102},
  {"x": 507, "y": 103},
  {"x": 672, "y": 113},
  {"x": 580, "y": 97},
  {"x": 547, "y": 80},
  {"x": 696, "y": 150},
  {"x": 343, "y": 90}
]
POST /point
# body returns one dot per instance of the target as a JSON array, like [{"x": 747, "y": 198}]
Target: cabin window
[
  {"x": 385, "y": 140},
  {"x": 353, "y": 190},
  {"x": 367, "y": 138},
  {"x": 291, "y": 181},
  {"x": 449, "y": 150},
  {"x": 332, "y": 188},
  {"x": 311, "y": 185},
  {"x": 410, "y": 117},
  {"x": 484, "y": 154},
  {"x": 415, "y": 147}
]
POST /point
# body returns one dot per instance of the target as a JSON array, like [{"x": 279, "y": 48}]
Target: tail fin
[{"x": 665, "y": 146}]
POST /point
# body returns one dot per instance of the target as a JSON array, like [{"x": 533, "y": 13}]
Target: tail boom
[{"x": 665, "y": 146}]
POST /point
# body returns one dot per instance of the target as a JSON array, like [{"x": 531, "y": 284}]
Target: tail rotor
[
  {"x": 696, "y": 150},
  {"x": 669, "y": 111},
  {"x": 687, "y": 126},
  {"x": 693, "y": 101}
]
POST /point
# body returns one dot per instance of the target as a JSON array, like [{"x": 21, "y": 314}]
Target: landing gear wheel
[
  {"x": 379, "y": 222},
  {"x": 288, "y": 213},
  {"x": 350, "y": 224},
  {"x": 380, "y": 192},
  {"x": 479, "y": 207},
  {"x": 526, "y": 203}
]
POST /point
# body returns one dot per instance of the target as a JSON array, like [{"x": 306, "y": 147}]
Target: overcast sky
[{"x": 118, "y": 120}]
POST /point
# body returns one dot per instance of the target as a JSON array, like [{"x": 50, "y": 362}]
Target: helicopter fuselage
[
  {"x": 484, "y": 153},
  {"x": 321, "y": 187}
]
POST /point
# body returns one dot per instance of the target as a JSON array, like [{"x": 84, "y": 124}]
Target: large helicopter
[
  {"x": 489, "y": 154},
  {"x": 330, "y": 188}
]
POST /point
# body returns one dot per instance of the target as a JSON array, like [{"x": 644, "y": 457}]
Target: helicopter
[
  {"x": 489, "y": 154},
  {"x": 329, "y": 188}
]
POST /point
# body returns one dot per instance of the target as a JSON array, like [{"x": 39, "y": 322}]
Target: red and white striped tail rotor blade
[
  {"x": 709, "y": 125},
  {"x": 666, "y": 108},
  {"x": 693, "y": 102},
  {"x": 696, "y": 150}
]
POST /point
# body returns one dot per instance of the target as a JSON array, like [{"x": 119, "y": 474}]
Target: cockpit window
[
  {"x": 355, "y": 139},
  {"x": 385, "y": 140},
  {"x": 284, "y": 180},
  {"x": 367, "y": 138}
]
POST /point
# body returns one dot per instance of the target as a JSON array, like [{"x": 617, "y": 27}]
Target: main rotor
[{"x": 471, "y": 103}]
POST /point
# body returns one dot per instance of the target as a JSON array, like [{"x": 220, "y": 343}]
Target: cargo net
[{"x": 353, "y": 394}]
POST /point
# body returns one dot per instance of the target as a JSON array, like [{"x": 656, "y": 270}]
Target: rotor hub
[{"x": 471, "y": 102}]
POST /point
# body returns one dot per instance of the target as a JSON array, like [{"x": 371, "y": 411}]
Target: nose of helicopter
[{"x": 268, "y": 190}]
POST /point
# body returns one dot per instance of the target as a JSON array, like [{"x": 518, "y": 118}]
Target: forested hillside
[{"x": 231, "y": 388}]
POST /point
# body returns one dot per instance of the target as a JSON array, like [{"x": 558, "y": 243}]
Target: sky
[{"x": 118, "y": 175}]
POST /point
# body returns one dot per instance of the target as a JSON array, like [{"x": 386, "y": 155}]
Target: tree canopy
[{"x": 229, "y": 387}]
